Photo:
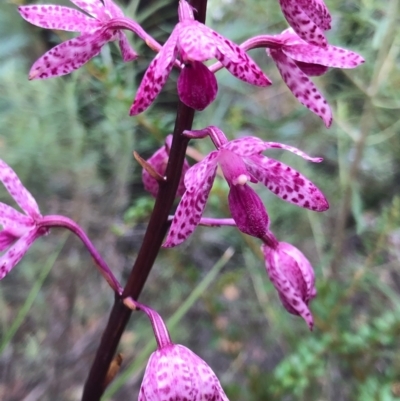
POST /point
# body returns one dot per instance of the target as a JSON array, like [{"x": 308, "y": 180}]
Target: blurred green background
[{"x": 71, "y": 141}]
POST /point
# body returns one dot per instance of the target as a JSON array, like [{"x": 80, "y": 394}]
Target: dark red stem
[{"x": 152, "y": 241}]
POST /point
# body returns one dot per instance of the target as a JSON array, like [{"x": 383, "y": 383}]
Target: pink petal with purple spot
[
  {"x": 95, "y": 8},
  {"x": 246, "y": 146},
  {"x": 318, "y": 12},
  {"x": 197, "y": 86},
  {"x": 16, "y": 252},
  {"x": 198, "y": 181},
  {"x": 20, "y": 194},
  {"x": 155, "y": 77},
  {"x": 181, "y": 188},
  {"x": 301, "y": 86},
  {"x": 202, "y": 172},
  {"x": 15, "y": 223},
  {"x": 176, "y": 373},
  {"x": 305, "y": 268},
  {"x": 70, "y": 55},
  {"x": 238, "y": 63},
  {"x": 287, "y": 183},
  {"x": 330, "y": 56},
  {"x": 113, "y": 9},
  {"x": 128, "y": 54},
  {"x": 58, "y": 17},
  {"x": 302, "y": 23},
  {"x": 196, "y": 41},
  {"x": 298, "y": 152},
  {"x": 287, "y": 279}
]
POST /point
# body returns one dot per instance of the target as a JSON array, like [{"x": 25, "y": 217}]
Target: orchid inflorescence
[{"x": 301, "y": 51}]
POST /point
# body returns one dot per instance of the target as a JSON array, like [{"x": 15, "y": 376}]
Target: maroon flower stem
[
  {"x": 160, "y": 330},
  {"x": 156, "y": 230},
  {"x": 126, "y": 23},
  {"x": 65, "y": 222}
]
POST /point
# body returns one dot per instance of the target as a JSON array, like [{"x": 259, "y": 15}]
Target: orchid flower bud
[
  {"x": 174, "y": 372},
  {"x": 293, "y": 277},
  {"x": 159, "y": 162}
]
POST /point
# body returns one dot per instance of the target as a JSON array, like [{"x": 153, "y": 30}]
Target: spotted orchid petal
[
  {"x": 239, "y": 63},
  {"x": 13, "y": 221},
  {"x": 58, "y": 17},
  {"x": 95, "y": 8},
  {"x": 293, "y": 277},
  {"x": 331, "y": 56},
  {"x": 176, "y": 373},
  {"x": 198, "y": 182},
  {"x": 292, "y": 149},
  {"x": 16, "y": 252},
  {"x": 301, "y": 86},
  {"x": 287, "y": 183},
  {"x": 245, "y": 146},
  {"x": 20, "y": 194},
  {"x": 317, "y": 12},
  {"x": 156, "y": 75},
  {"x": 15, "y": 225},
  {"x": 308, "y": 18},
  {"x": 113, "y": 9},
  {"x": 196, "y": 41},
  {"x": 70, "y": 55}
]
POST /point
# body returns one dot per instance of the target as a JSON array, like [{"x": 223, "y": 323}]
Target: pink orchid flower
[
  {"x": 72, "y": 54},
  {"x": 297, "y": 60},
  {"x": 293, "y": 277},
  {"x": 174, "y": 372},
  {"x": 159, "y": 162},
  {"x": 19, "y": 230},
  {"x": 309, "y": 18},
  {"x": 192, "y": 43},
  {"x": 241, "y": 162}
]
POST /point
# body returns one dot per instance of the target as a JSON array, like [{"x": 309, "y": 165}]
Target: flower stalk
[{"x": 151, "y": 245}]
